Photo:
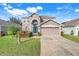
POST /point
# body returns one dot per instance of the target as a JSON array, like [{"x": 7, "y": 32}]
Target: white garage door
[{"x": 49, "y": 31}]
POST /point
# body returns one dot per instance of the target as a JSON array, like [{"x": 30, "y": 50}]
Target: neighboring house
[
  {"x": 43, "y": 24},
  {"x": 4, "y": 25},
  {"x": 71, "y": 27}
]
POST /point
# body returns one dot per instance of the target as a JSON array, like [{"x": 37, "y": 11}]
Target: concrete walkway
[{"x": 58, "y": 46}]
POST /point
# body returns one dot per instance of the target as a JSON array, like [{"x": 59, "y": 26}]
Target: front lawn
[
  {"x": 9, "y": 46},
  {"x": 70, "y": 37}
]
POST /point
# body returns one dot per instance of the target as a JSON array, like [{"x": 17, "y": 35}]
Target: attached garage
[{"x": 50, "y": 29}]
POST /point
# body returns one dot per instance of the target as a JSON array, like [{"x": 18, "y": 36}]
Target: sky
[{"x": 61, "y": 11}]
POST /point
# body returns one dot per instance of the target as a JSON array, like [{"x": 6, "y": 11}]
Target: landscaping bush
[
  {"x": 25, "y": 34},
  {"x": 72, "y": 32},
  {"x": 30, "y": 34},
  {"x": 62, "y": 33},
  {"x": 2, "y": 33},
  {"x": 39, "y": 34},
  {"x": 12, "y": 30}
]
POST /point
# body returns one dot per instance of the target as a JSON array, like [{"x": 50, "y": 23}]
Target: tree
[{"x": 15, "y": 20}]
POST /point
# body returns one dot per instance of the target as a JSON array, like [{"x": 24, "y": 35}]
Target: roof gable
[{"x": 50, "y": 22}]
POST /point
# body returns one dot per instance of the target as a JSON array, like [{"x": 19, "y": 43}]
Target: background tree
[{"x": 15, "y": 20}]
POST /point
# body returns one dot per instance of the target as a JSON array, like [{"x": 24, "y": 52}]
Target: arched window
[{"x": 34, "y": 26}]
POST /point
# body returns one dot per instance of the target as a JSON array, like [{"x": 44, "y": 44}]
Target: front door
[{"x": 35, "y": 26}]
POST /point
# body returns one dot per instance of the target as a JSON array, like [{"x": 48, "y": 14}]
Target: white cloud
[
  {"x": 76, "y": 10},
  {"x": 17, "y": 12},
  {"x": 14, "y": 11},
  {"x": 34, "y": 9},
  {"x": 20, "y": 12},
  {"x": 39, "y": 8},
  {"x": 5, "y": 8},
  {"x": 6, "y": 5}
]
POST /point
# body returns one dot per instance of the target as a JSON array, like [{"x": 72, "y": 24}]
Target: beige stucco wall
[
  {"x": 24, "y": 24},
  {"x": 27, "y": 23},
  {"x": 34, "y": 17},
  {"x": 51, "y": 25}
]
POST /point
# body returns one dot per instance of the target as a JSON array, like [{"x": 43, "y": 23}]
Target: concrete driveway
[{"x": 58, "y": 46}]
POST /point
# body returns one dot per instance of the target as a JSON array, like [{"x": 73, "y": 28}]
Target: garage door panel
[{"x": 50, "y": 31}]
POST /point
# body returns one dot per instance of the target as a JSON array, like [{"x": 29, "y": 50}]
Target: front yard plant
[
  {"x": 11, "y": 30},
  {"x": 10, "y": 47}
]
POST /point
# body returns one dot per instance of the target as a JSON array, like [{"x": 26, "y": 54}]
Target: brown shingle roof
[
  {"x": 71, "y": 22},
  {"x": 42, "y": 18},
  {"x": 45, "y": 18}
]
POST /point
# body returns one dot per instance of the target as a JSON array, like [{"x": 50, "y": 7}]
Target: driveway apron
[{"x": 58, "y": 46}]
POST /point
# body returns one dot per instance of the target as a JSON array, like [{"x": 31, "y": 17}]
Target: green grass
[
  {"x": 71, "y": 37},
  {"x": 10, "y": 47}
]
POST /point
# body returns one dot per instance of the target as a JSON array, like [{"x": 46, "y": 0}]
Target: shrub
[
  {"x": 25, "y": 34},
  {"x": 12, "y": 30},
  {"x": 39, "y": 34},
  {"x": 30, "y": 34},
  {"x": 2, "y": 33},
  {"x": 72, "y": 32},
  {"x": 62, "y": 33}
]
